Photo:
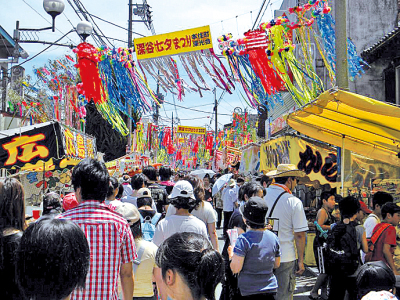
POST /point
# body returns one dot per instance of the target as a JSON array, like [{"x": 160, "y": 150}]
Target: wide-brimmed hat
[
  {"x": 182, "y": 188},
  {"x": 255, "y": 210},
  {"x": 286, "y": 170},
  {"x": 128, "y": 211}
]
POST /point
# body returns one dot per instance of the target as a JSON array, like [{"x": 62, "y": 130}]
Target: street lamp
[
  {"x": 84, "y": 29},
  {"x": 53, "y": 8}
]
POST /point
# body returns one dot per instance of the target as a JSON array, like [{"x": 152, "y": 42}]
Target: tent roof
[
  {"x": 16, "y": 131},
  {"x": 369, "y": 127}
]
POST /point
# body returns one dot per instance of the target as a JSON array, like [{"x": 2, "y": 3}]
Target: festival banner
[
  {"x": 78, "y": 145},
  {"x": 191, "y": 130},
  {"x": 30, "y": 146},
  {"x": 318, "y": 160},
  {"x": 250, "y": 160},
  {"x": 173, "y": 43}
]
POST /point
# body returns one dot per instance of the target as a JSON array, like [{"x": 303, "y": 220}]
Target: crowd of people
[{"x": 154, "y": 236}]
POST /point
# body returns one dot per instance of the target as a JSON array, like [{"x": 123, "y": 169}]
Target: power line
[
  {"x": 37, "y": 54},
  {"x": 115, "y": 24},
  {"x": 202, "y": 111},
  {"x": 192, "y": 106}
]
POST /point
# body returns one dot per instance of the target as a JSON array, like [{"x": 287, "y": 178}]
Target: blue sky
[{"x": 223, "y": 17}]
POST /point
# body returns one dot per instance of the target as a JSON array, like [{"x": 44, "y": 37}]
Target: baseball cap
[
  {"x": 128, "y": 211},
  {"x": 143, "y": 193},
  {"x": 255, "y": 210},
  {"x": 182, "y": 188},
  {"x": 364, "y": 207},
  {"x": 70, "y": 202}
]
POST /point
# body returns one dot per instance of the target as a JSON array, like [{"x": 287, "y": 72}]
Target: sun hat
[
  {"x": 128, "y": 211},
  {"x": 286, "y": 170},
  {"x": 255, "y": 210},
  {"x": 182, "y": 188},
  {"x": 364, "y": 207},
  {"x": 143, "y": 193},
  {"x": 69, "y": 201}
]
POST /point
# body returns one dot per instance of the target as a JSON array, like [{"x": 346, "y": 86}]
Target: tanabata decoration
[{"x": 92, "y": 88}]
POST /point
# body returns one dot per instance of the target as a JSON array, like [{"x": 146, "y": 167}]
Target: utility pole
[
  {"x": 342, "y": 77},
  {"x": 172, "y": 131},
  {"x": 130, "y": 44},
  {"x": 216, "y": 113}
]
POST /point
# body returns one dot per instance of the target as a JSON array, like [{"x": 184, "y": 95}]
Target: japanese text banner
[
  {"x": 319, "y": 161},
  {"x": 173, "y": 43},
  {"x": 192, "y": 130}
]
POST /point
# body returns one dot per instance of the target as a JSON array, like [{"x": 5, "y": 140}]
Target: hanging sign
[
  {"x": 77, "y": 144},
  {"x": 192, "y": 130},
  {"x": 173, "y": 43}
]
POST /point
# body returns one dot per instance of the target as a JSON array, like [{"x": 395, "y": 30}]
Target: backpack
[
  {"x": 373, "y": 239},
  {"x": 341, "y": 253},
  {"x": 149, "y": 226}
]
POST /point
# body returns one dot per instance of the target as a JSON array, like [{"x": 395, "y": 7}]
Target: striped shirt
[{"x": 111, "y": 244}]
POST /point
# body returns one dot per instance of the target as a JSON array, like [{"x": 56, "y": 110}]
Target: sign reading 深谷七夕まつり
[
  {"x": 173, "y": 43},
  {"x": 191, "y": 130}
]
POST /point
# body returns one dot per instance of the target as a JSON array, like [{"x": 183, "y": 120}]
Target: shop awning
[{"x": 369, "y": 127}]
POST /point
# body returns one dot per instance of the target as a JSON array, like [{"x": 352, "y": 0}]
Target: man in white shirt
[
  {"x": 184, "y": 201},
  {"x": 289, "y": 220},
  {"x": 229, "y": 199}
]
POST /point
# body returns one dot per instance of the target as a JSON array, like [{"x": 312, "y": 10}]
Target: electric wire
[{"x": 202, "y": 111}]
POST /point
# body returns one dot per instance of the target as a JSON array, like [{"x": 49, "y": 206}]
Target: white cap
[{"x": 182, "y": 188}]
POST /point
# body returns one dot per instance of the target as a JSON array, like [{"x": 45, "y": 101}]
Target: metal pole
[
  {"x": 216, "y": 113},
  {"x": 130, "y": 24},
  {"x": 342, "y": 77},
  {"x": 172, "y": 132},
  {"x": 342, "y": 166}
]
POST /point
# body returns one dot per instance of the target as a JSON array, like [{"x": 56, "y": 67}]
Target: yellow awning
[{"x": 369, "y": 127}]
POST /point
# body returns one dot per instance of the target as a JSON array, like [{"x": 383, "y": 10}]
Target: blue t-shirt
[{"x": 259, "y": 249}]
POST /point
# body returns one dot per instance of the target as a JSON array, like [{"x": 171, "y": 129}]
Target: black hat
[{"x": 255, "y": 210}]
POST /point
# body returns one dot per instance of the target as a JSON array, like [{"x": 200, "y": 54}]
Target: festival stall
[
  {"x": 131, "y": 164},
  {"x": 366, "y": 130},
  {"x": 250, "y": 159},
  {"x": 43, "y": 155}
]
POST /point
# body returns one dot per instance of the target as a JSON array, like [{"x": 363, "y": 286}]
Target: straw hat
[{"x": 286, "y": 170}]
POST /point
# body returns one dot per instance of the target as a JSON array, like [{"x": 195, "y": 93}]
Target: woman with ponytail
[{"x": 188, "y": 268}]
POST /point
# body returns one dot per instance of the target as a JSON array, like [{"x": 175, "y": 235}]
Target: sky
[{"x": 224, "y": 17}]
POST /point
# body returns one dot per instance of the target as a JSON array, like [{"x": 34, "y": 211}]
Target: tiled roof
[{"x": 369, "y": 52}]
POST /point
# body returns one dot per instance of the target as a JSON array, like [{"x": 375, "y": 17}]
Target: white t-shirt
[
  {"x": 370, "y": 224},
  {"x": 174, "y": 224},
  {"x": 113, "y": 204},
  {"x": 229, "y": 198},
  {"x": 205, "y": 212},
  {"x": 291, "y": 218},
  {"x": 144, "y": 272}
]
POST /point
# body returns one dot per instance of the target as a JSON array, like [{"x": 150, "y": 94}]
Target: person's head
[
  {"x": 138, "y": 181},
  {"x": 113, "y": 188},
  {"x": 90, "y": 180},
  {"x": 165, "y": 173},
  {"x": 327, "y": 200},
  {"x": 349, "y": 207},
  {"x": 287, "y": 174},
  {"x": 363, "y": 212},
  {"x": 52, "y": 259},
  {"x": 51, "y": 204},
  {"x": 69, "y": 201},
  {"x": 206, "y": 180},
  {"x": 254, "y": 212},
  {"x": 144, "y": 202},
  {"x": 249, "y": 190},
  {"x": 198, "y": 187},
  {"x": 265, "y": 181},
  {"x": 240, "y": 181},
  {"x": 182, "y": 196},
  {"x": 188, "y": 264},
  {"x": 12, "y": 204},
  {"x": 379, "y": 199},
  {"x": 391, "y": 213},
  {"x": 374, "y": 276},
  {"x": 150, "y": 172},
  {"x": 120, "y": 191},
  {"x": 131, "y": 214}
]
